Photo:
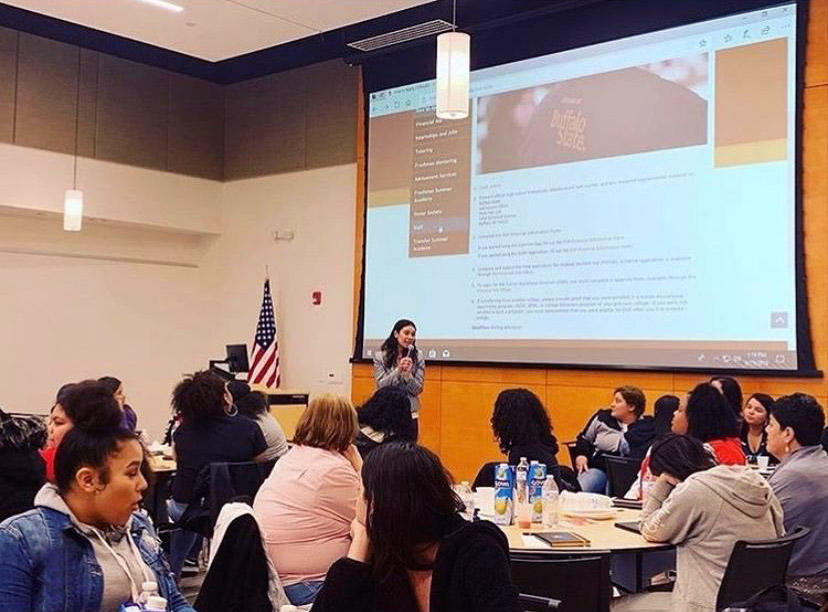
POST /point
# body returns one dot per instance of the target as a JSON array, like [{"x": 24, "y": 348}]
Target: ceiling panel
[{"x": 215, "y": 29}]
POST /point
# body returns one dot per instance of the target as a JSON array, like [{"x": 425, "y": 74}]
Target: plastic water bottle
[
  {"x": 148, "y": 589},
  {"x": 467, "y": 497},
  {"x": 550, "y": 502},
  {"x": 524, "y": 511}
]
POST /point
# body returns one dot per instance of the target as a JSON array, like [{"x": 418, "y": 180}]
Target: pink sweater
[{"x": 305, "y": 509}]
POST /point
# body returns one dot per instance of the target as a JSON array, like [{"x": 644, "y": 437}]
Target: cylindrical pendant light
[
  {"x": 73, "y": 199},
  {"x": 453, "y": 75},
  {"x": 73, "y": 210}
]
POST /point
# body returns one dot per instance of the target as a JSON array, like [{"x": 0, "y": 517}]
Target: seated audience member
[
  {"x": 22, "y": 469},
  {"x": 384, "y": 417},
  {"x": 706, "y": 416},
  {"x": 732, "y": 391},
  {"x": 604, "y": 435},
  {"x": 801, "y": 484},
  {"x": 411, "y": 550},
  {"x": 60, "y": 421},
  {"x": 211, "y": 431},
  {"x": 85, "y": 546},
  {"x": 703, "y": 509},
  {"x": 306, "y": 505},
  {"x": 825, "y": 439},
  {"x": 253, "y": 405},
  {"x": 663, "y": 411},
  {"x": 754, "y": 421},
  {"x": 130, "y": 419},
  {"x": 522, "y": 428}
]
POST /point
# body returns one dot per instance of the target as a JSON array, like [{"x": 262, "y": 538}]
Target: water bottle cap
[{"x": 156, "y": 604}]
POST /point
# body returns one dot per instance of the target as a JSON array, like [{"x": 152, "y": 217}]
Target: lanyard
[{"x": 123, "y": 564}]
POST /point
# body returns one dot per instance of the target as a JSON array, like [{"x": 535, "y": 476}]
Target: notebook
[
  {"x": 562, "y": 539},
  {"x": 628, "y": 526}
]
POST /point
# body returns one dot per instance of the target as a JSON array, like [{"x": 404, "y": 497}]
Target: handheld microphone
[{"x": 411, "y": 350}]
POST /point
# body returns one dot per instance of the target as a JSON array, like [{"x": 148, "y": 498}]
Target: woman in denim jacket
[{"x": 85, "y": 546}]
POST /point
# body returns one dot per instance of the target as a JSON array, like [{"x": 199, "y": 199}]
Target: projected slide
[{"x": 625, "y": 204}]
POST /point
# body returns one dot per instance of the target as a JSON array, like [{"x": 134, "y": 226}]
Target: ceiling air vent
[{"x": 429, "y": 28}]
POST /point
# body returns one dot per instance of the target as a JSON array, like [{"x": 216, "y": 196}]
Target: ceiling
[{"x": 215, "y": 30}]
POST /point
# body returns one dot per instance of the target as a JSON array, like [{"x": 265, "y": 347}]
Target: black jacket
[
  {"x": 238, "y": 578},
  {"x": 640, "y": 436},
  {"x": 22, "y": 469},
  {"x": 471, "y": 573}
]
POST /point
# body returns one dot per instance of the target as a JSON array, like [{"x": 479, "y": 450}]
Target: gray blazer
[{"x": 412, "y": 383}]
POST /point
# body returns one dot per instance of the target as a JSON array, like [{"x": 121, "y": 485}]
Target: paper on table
[{"x": 530, "y": 541}]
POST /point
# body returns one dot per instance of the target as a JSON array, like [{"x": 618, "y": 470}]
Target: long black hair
[
  {"x": 520, "y": 418},
  {"x": 410, "y": 504},
  {"x": 732, "y": 392},
  {"x": 663, "y": 411},
  {"x": 96, "y": 433},
  {"x": 679, "y": 456},
  {"x": 388, "y": 411},
  {"x": 389, "y": 347},
  {"x": 709, "y": 414}
]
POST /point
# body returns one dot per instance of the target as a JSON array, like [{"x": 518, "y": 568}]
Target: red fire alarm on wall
[{"x": 316, "y": 298}]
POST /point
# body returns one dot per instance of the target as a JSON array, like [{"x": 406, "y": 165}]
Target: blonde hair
[{"x": 330, "y": 422}]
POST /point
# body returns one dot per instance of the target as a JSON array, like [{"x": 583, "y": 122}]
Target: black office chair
[
  {"x": 756, "y": 565},
  {"x": 570, "y": 446},
  {"x": 485, "y": 475},
  {"x": 621, "y": 473},
  {"x": 579, "y": 582}
]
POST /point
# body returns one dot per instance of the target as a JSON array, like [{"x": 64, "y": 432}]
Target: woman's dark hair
[
  {"x": 389, "y": 347},
  {"x": 802, "y": 413},
  {"x": 679, "y": 456},
  {"x": 634, "y": 397},
  {"x": 409, "y": 504},
  {"x": 110, "y": 382},
  {"x": 199, "y": 398},
  {"x": 96, "y": 433},
  {"x": 520, "y": 418},
  {"x": 663, "y": 411},
  {"x": 709, "y": 415},
  {"x": 62, "y": 392},
  {"x": 249, "y": 403},
  {"x": 732, "y": 393},
  {"x": 388, "y": 410}
]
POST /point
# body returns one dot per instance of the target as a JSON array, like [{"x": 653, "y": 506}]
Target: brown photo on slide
[{"x": 633, "y": 110}]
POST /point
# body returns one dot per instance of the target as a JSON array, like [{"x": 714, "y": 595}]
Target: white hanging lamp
[
  {"x": 73, "y": 199},
  {"x": 453, "y": 60}
]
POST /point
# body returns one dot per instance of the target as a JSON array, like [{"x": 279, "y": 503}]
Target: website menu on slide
[{"x": 630, "y": 203}]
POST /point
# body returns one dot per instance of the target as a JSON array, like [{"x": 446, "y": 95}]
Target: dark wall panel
[
  {"x": 88, "y": 110},
  {"x": 47, "y": 90},
  {"x": 133, "y": 101},
  {"x": 196, "y": 132},
  {"x": 331, "y": 114},
  {"x": 8, "y": 79},
  {"x": 265, "y": 126}
]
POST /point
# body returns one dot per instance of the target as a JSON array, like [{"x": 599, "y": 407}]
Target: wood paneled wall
[
  {"x": 457, "y": 401},
  {"x": 140, "y": 115}
]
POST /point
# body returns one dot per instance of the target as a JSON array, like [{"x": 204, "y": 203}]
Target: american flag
[{"x": 265, "y": 355}]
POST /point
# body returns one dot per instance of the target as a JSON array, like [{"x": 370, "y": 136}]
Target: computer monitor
[{"x": 237, "y": 358}]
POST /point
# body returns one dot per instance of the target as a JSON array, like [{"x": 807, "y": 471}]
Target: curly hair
[
  {"x": 709, "y": 414},
  {"x": 388, "y": 411},
  {"x": 520, "y": 418},
  {"x": 199, "y": 398}
]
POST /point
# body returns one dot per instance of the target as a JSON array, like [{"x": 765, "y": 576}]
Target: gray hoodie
[
  {"x": 116, "y": 584},
  {"x": 704, "y": 516}
]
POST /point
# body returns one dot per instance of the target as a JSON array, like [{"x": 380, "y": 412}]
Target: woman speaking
[{"x": 400, "y": 364}]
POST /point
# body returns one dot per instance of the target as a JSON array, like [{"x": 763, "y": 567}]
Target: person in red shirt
[
  {"x": 706, "y": 415},
  {"x": 60, "y": 421}
]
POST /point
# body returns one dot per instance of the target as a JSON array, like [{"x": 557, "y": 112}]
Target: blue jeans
[
  {"x": 181, "y": 540},
  {"x": 593, "y": 481},
  {"x": 303, "y": 593}
]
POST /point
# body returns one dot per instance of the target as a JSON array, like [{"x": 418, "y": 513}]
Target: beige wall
[{"x": 173, "y": 275}]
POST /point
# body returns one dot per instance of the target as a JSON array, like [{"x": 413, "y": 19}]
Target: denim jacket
[{"x": 48, "y": 565}]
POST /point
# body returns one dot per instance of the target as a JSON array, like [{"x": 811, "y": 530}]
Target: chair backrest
[
  {"x": 485, "y": 475},
  {"x": 755, "y": 565},
  {"x": 570, "y": 446},
  {"x": 581, "y": 582},
  {"x": 621, "y": 473},
  {"x": 228, "y": 481}
]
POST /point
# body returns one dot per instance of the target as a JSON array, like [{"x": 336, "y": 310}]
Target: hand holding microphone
[{"x": 407, "y": 362}]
